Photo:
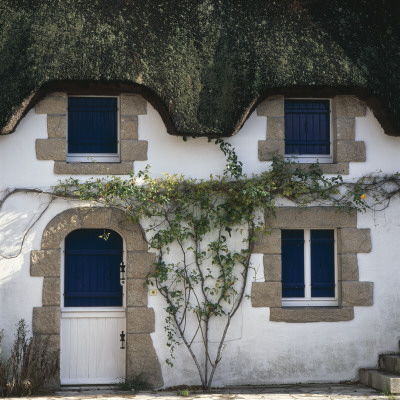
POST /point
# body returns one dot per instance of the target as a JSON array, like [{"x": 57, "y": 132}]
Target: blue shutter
[
  {"x": 92, "y": 125},
  {"x": 92, "y": 269},
  {"x": 322, "y": 263},
  {"x": 307, "y": 127},
  {"x": 292, "y": 263}
]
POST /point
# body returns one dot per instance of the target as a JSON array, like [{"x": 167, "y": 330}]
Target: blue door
[
  {"x": 92, "y": 320},
  {"x": 92, "y": 268}
]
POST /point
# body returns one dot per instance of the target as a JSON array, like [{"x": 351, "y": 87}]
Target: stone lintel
[
  {"x": 133, "y": 104},
  {"x": 357, "y": 293},
  {"x": 136, "y": 293},
  {"x": 348, "y": 106},
  {"x": 142, "y": 360},
  {"x": 129, "y": 127},
  {"x": 140, "y": 320},
  {"x": 269, "y": 242},
  {"x": 354, "y": 240},
  {"x": 59, "y": 227},
  {"x": 139, "y": 264},
  {"x": 134, "y": 150},
  {"x": 311, "y": 314},
  {"x": 54, "y": 103},
  {"x": 51, "y": 292},
  {"x": 267, "y": 149},
  {"x": 273, "y": 106},
  {"x": 272, "y": 267},
  {"x": 95, "y": 217},
  {"x": 45, "y": 262},
  {"x": 57, "y": 126},
  {"x": 311, "y": 217},
  {"x": 46, "y": 320},
  {"x": 266, "y": 294},
  {"x": 121, "y": 223},
  {"x": 51, "y": 149},
  {"x": 92, "y": 168},
  {"x": 119, "y": 220}
]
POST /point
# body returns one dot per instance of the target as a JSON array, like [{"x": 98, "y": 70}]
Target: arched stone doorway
[{"x": 141, "y": 358}]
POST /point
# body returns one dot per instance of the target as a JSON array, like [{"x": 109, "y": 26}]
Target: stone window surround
[
  {"x": 350, "y": 242},
  {"x": 141, "y": 357},
  {"x": 55, "y": 146},
  {"x": 345, "y": 148}
]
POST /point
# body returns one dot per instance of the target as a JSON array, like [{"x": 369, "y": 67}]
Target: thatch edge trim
[{"x": 94, "y": 87}]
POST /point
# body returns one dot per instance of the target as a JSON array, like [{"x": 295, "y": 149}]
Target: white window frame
[
  {"x": 313, "y": 158},
  {"x": 97, "y": 157},
  {"x": 307, "y": 300}
]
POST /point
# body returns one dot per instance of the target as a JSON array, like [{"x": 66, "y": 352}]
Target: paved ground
[{"x": 277, "y": 392}]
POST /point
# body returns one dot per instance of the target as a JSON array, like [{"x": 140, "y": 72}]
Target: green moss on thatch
[{"x": 208, "y": 62}]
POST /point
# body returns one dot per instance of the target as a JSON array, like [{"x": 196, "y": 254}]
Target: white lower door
[{"x": 91, "y": 344}]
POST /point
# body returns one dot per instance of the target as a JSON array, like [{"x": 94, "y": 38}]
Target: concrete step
[
  {"x": 390, "y": 363},
  {"x": 381, "y": 380}
]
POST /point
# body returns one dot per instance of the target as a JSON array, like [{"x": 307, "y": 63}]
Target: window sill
[
  {"x": 311, "y": 314},
  {"x": 310, "y": 303},
  {"x": 332, "y": 168},
  {"x": 92, "y": 160},
  {"x": 298, "y": 159},
  {"x": 93, "y": 168}
]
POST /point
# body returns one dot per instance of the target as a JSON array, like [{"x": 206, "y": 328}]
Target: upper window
[
  {"x": 92, "y": 269},
  {"x": 307, "y": 130},
  {"x": 308, "y": 267},
  {"x": 93, "y": 129}
]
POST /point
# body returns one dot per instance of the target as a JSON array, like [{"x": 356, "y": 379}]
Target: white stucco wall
[{"x": 258, "y": 350}]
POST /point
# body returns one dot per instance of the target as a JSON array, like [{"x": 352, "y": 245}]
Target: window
[
  {"x": 308, "y": 267},
  {"x": 92, "y": 129},
  {"x": 92, "y": 269},
  {"x": 307, "y": 130}
]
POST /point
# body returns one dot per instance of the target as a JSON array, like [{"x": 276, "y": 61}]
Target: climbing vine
[{"x": 204, "y": 231}]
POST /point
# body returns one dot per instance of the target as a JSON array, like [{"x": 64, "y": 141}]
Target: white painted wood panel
[{"x": 90, "y": 347}]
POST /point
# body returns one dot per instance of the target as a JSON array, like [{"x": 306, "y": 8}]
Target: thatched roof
[{"x": 204, "y": 64}]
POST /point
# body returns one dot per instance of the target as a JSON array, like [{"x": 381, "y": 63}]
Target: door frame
[{"x": 141, "y": 357}]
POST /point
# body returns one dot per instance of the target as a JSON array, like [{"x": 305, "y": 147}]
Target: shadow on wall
[{"x": 17, "y": 219}]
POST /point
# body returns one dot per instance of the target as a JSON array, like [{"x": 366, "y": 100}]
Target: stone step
[
  {"x": 381, "y": 380},
  {"x": 390, "y": 363}
]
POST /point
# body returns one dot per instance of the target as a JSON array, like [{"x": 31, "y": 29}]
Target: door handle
[{"x": 122, "y": 340}]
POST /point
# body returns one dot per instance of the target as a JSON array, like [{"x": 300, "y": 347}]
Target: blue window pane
[
  {"x": 307, "y": 127},
  {"x": 92, "y": 125},
  {"x": 322, "y": 263},
  {"x": 292, "y": 263},
  {"x": 92, "y": 269}
]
